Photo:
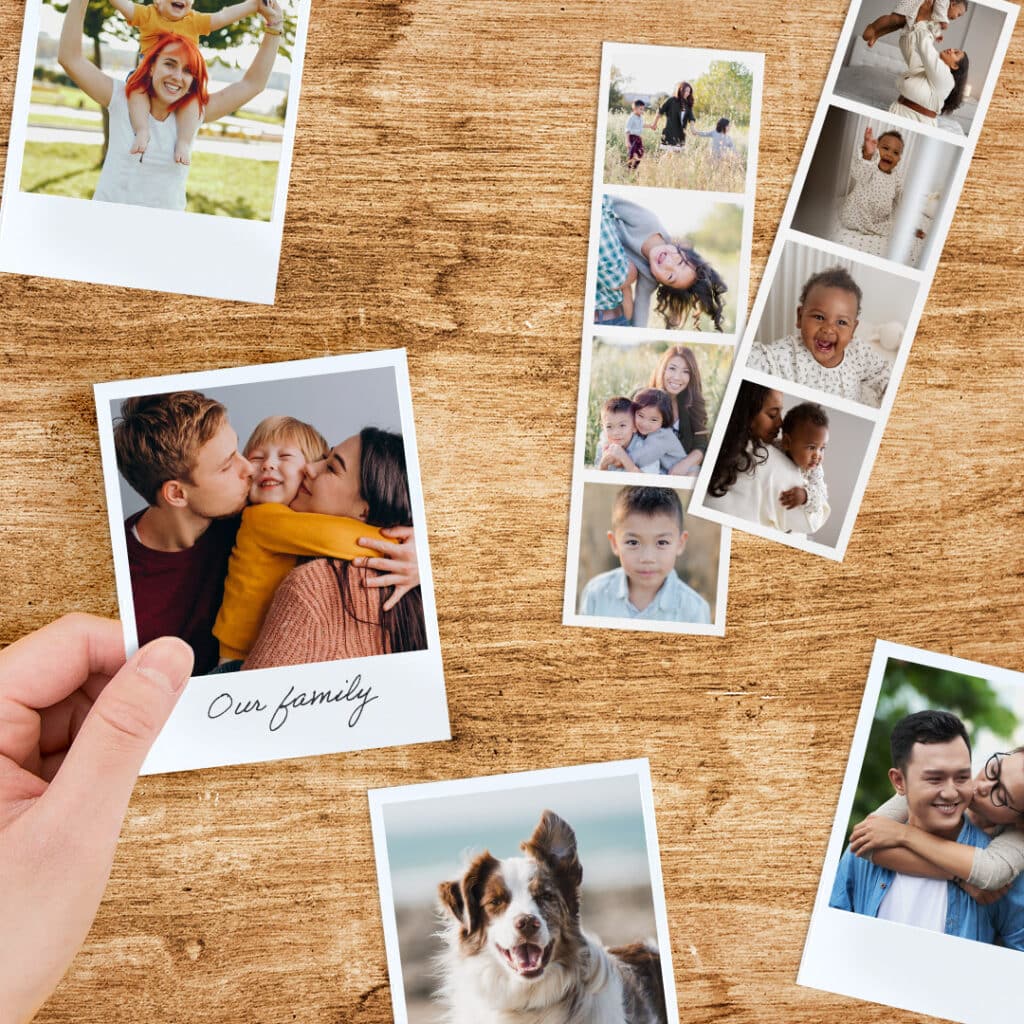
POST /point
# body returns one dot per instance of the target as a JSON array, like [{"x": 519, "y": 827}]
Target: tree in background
[
  {"x": 724, "y": 90},
  {"x": 908, "y": 687},
  {"x": 101, "y": 19},
  {"x": 616, "y": 80}
]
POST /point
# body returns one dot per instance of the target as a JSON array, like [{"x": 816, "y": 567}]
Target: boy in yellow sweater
[
  {"x": 177, "y": 18},
  {"x": 272, "y": 537}
]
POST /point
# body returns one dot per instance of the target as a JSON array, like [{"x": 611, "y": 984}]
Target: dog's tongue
[{"x": 527, "y": 956}]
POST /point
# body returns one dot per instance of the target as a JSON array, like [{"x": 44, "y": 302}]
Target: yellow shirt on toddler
[
  {"x": 269, "y": 543},
  {"x": 150, "y": 23}
]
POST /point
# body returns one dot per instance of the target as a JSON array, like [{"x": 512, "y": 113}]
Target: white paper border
[
  {"x": 380, "y": 798},
  {"x": 99, "y": 243},
  {"x": 581, "y": 474},
  {"x": 882, "y": 961},
  {"x": 925, "y": 276},
  {"x": 410, "y": 704}
]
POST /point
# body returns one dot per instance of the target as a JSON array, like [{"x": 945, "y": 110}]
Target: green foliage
[
  {"x": 724, "y": 90},
  {"x": 225, "y": 186},
  {"x": 616, "y": 80},
  {"x": 624, "y": 369},
  {"x": 908, "y": 687}
]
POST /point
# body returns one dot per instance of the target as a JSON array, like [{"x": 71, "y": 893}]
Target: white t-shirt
[
  {"x": 155, "y": 181},
  {"x": 917, "y": 901}
]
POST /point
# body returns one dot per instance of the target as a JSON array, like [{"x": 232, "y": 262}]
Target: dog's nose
[{"x": 527, "y": 925}]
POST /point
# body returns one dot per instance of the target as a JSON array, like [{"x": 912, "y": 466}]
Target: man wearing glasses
[{"x": 931, "y": 758}]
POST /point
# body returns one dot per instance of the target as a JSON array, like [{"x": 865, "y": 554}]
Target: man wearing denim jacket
[{"x": 931, "y": 757}]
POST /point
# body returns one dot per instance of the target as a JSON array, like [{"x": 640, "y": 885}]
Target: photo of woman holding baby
[{"x": 645, "y": 270}]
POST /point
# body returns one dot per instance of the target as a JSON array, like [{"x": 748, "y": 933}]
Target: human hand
[
  {"x": 398, "y": 567},
  {"x": 984, "y": 897},
  {"x": 270, "y": 11},
  {"x": 76, "y": 723},
  {"x": 870, "y": 144},
  {"x": 875, "y": 833},
  {"x": 793, "y": 498}
]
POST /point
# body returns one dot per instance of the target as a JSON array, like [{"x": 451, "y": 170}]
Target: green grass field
[
  {"x": 693, "y": 168},
  {"x": 224, "y": 186},
  {"x": 624, "y": 369},
  {"x": 62, "y": 96}
]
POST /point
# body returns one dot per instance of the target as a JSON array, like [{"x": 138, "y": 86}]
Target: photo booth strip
[
  {"x": 809, "y": 221},
  {"x": 213, "y": 256},
  {"x": 320, "y": 707},
  {"x": 703, "y": 194},
  {"x": 426, "y": 834},
  {"x": 854, "y": 954}
]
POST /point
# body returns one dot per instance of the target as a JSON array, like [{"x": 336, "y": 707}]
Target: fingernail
[{"x": 167, "y": 661}]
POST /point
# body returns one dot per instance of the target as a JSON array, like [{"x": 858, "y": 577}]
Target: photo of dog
[
  {"x": 489, "y": 916},
  {"x": 515, "y": 944}
]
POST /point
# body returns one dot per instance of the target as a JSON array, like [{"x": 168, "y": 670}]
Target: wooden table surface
[{"x": 439, "y": 200}]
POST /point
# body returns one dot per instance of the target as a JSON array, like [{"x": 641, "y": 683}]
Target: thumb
[{"x": 99, "y": 772}]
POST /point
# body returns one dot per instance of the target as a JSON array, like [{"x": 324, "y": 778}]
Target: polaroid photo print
[
  {"x": 857, "y": 248},
  {"x": 242, "y": 504},
  {"x": 928, "y": 832},
  {"x": 485, "y": 915},
  {"x": 105, "y": 106},
  {"x": 671, "y": 227}
]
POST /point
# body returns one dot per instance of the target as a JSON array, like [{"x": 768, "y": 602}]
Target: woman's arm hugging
[
  {"x": 93, "y": 82},
  {"x": 255, "y": 79}
]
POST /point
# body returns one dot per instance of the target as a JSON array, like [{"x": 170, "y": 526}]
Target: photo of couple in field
[
  {"x": 173, "y": 104},
  {"x": 674, "y": 123}
]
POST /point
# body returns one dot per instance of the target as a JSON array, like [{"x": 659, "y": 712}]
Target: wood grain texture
[{"x": 439, "y": 201}]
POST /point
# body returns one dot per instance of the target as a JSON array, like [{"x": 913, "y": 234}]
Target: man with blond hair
[{"x": 179, "y": 452}]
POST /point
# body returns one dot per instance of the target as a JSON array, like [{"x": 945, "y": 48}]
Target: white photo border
[
  {"x": 922, "y": 277},
  {"x": 408, "y": 702},
  {"x": 83, "y": 240},
  {"x": 581, "y": 474},
  {"x": 866, "y": 958},
  {"x": 639, "y": 768}
]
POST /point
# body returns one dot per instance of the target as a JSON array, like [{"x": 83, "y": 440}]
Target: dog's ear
[
  {"x": 450, "y": 895},
  {"x": 554, "y": 843},
  {"x": 473, "y": 882}
]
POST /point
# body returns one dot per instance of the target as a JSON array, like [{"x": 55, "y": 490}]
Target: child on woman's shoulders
[
  {"x": 272, "y": 537},
  {"x": 825, "y": 353}
]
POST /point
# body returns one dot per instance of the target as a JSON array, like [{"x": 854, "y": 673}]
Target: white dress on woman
[
  {"x": 927, "y": 80},
  {"x": 156, "y": 180}
]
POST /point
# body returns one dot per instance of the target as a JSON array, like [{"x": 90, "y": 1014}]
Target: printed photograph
[
  {"x": 537, "y": 894},
  {"x": 787, "y": 464},
  {"x": 667, "y": 264},
  {"x": 173, "y": 105},
  {"x": 833, "y": 324},
  {"x": 642, "y": 559},
  {"x": 677, "y": 118},
  {"x": 652, "y": 405},
  {"x": 927, "y": 847},
  {"x": 926, "y": 62},
  {"x": 877, "y": 187},
  {"x": 270, "y": 523}
]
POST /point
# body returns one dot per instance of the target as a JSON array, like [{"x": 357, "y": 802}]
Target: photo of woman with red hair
[{"x": 171, "y": 74}]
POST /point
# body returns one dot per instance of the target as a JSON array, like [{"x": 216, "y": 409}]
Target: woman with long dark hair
[
  {"x": 330, "y": 609},
  {"x": 678, "y": 113},
  {"x": 678, "y": 375},
  {"x": 934, "y": 81}
]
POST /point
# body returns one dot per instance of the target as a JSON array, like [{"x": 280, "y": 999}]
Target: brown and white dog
[{"x": 516, "y": 953}]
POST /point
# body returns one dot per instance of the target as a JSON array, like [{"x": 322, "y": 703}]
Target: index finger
[
  {"x": 41, "y": 669},
  {"x": 386, "y": 547}
]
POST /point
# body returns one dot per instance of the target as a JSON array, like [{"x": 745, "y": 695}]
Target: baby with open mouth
[
  {"x": 824, "y": 352},
  {"x": 272, "y": 537}
]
